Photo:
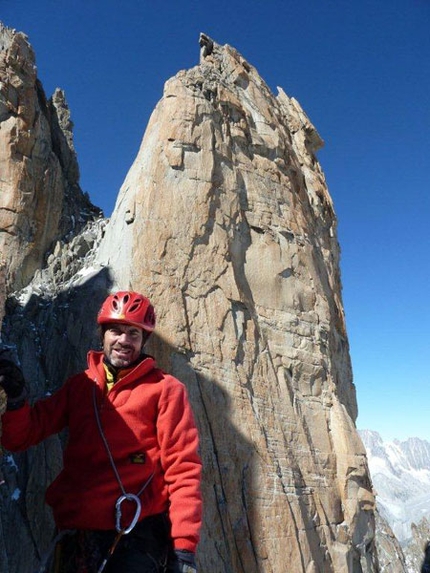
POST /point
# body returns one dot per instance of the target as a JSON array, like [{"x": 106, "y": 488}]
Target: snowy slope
[{"x": 401, "y": 478}]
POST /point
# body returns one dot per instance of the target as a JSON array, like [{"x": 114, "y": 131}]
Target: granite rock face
[
  {"x": 50, "y": 325},
  {"x": 41, "y": 207},
  {"x": 40, "y": 197},
  {"x": 391, "y": 557},
  {"x": 415, "y": 550},
  {"x": 225, "y": 221},
  {"x": 3, "y": 266},
  {"x": 227, "y": 224}
]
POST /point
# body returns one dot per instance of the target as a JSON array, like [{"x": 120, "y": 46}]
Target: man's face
[{"x": 122, "y": 344}]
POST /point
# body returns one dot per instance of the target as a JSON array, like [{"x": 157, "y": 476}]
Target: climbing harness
[{"x": 124, "y": 497}]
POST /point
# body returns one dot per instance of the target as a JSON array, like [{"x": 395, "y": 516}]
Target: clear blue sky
[{"x": 361, "y": 71}]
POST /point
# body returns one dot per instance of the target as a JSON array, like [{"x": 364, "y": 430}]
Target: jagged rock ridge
[
  {"x": 225, "y": 221},
  {"x": 41, "y": 208},
  {"x": 40, "y": 198}
]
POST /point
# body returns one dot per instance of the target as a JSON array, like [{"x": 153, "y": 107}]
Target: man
[{"x": 128, "y": 498}]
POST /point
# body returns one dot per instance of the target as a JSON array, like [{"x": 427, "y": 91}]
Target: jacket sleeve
[
  {"x": 30, "y": 425},
  {"x": 178, "y": 440}
]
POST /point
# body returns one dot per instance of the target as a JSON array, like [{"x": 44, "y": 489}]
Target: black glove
[
  {"x": 13, "y": 383},
  {"x": 185, "y": 562}
]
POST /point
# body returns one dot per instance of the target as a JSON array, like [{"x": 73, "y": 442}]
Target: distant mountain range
[{"x": 400, "y": 473}]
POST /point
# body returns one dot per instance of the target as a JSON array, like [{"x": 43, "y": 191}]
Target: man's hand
[
  {"x": 13, "y": 383},
  {"x": 185, "y": 562}
]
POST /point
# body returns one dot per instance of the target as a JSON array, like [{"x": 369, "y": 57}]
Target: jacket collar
[{"x": 96, "y": 368}]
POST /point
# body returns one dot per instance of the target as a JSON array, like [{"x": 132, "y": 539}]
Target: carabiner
[{"x": 118, "y": 514}]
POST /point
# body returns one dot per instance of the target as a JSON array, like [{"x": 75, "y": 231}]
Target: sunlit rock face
[
  {"x": 40, "y": 197},
  {"x": 225, "y": 221}
]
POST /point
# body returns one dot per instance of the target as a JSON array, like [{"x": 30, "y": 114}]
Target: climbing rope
[{"x": 124, "y": 497}]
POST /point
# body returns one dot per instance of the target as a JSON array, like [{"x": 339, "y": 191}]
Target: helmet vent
[{"x": 135, "y": 306}]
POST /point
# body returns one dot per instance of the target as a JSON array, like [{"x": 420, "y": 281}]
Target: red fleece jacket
[{"x": 150, "y": 429}]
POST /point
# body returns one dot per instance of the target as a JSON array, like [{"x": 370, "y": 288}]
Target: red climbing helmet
[{"x": 128, "y": 307}]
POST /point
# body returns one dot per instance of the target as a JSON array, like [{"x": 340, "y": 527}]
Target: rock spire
[
  {"x": 227, "y": 224},
  {"x": 225, "y": 221},
  {"x": 40, "y": 197}
]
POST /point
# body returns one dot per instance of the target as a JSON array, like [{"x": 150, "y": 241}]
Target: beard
[{"x": 122, "y": 356}]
